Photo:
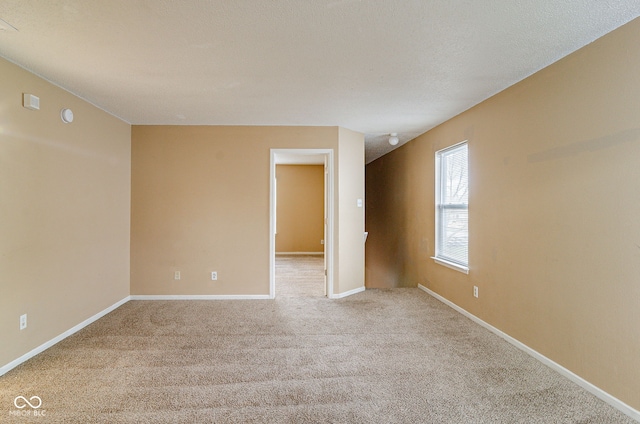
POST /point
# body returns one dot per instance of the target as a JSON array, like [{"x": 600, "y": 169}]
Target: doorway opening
[
  {"x": 298, "y": 269},
  {"x": 300, "y": 275}
]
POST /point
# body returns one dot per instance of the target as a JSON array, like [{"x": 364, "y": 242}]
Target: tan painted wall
[
  {"x": 201, "y": 204},
  {"x": 554, "y": 213},
  {"x": 300, "y": 204},
  {"x": 350, "y": 221},
  {"x": 64, "y": 212}
]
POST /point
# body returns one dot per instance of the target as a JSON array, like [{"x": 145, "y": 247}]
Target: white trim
[
  {"x": 596, "y": 391},
  {"x": 451, "y": 265},
  {"x": 453, "y": 146},
  {"x": 347, "y": 293},
  {"x": 300, "y": 253},
  {"x": 438, "y": 209},
  {"x": 11, "y": 365},
  {"x": 329, "y": 210},
  {"x": 274, "y": 154},
  {"x": 200, "y": 297}
]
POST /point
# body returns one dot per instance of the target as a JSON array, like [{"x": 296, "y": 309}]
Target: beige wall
[
  {"x": 554, "y": 213},
  {"x": 201, "y": 204},
  {"x": 350, "y": 222},
  {"x": 64, "y": 226},
  {"x": 300, "y": 204}
]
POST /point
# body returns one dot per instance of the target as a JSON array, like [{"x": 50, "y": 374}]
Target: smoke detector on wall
[{"x": 66, "y": 115}]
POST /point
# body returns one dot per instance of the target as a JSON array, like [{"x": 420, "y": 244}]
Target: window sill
[{"x": 459, "y": 268}]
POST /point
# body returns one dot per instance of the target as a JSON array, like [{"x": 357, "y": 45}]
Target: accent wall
[
  {"x": 201, "y": 204},
  {"x": 64, "y": 212},
  {"x": 300, "y": 209},
  {"x": 554, "y": 213}
]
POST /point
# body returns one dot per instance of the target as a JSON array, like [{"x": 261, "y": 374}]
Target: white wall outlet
[
  {"x": 23, "y": 321},
  {"x": 176, "y": 275},
  {"x": 475, "y": 291},
  {"x": 214, "y": 276}
]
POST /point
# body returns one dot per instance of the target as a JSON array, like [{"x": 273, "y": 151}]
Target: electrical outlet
[
  {"x": 176, "y": 275},
  {"x": 475, "y": 291},
  {"x": 214, "y": 276},
  {"x": 23, "y": 321}
]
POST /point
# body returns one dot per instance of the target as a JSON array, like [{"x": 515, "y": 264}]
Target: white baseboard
[
  {"x": 11, "y": 365},
  {"x": 598, "y": 392},
  {"x": 300, "y": 253},
  {"x": 199, "y": 297},
  {"x": 347, "y": 293}
]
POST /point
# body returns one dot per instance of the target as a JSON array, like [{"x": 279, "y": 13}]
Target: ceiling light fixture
[{"x": 393, "y": 139}]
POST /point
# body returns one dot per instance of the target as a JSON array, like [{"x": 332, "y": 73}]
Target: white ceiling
[{"x": 373, "y": 66}]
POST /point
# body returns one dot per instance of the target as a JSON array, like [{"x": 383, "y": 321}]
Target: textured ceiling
[{"x": 373, "y": 66}]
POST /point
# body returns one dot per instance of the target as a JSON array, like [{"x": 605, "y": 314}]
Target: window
[{"x": 452, "y": 207}]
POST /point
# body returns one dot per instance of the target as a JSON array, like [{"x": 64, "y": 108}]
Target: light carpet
[
  {"x": 394, "y": 356},
  {"x": 300, "y": 276}
]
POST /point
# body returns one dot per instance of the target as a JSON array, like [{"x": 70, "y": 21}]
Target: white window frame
[{"x": 439, "y": 206}]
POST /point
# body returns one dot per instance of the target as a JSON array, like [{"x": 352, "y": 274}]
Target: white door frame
[{"x": 329, "y": 190}]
